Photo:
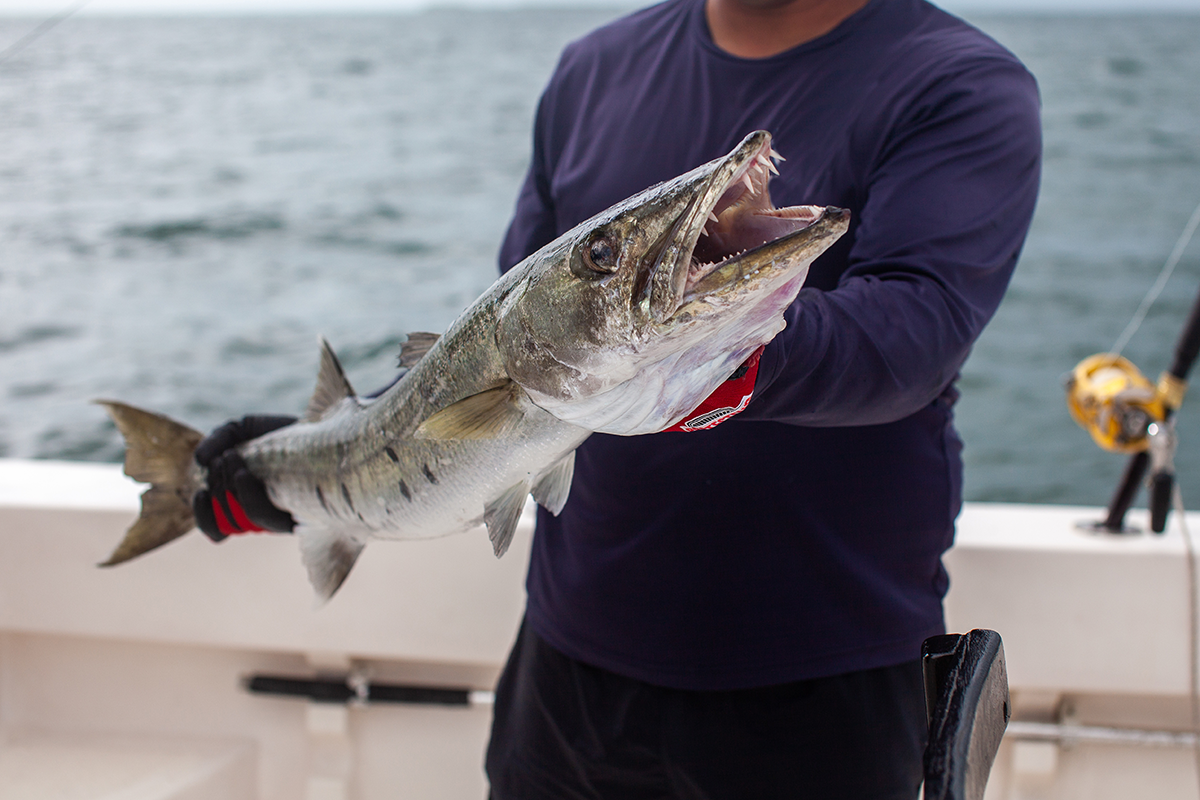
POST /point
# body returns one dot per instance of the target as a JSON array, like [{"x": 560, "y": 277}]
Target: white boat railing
[{"x": 156, "y": 652}]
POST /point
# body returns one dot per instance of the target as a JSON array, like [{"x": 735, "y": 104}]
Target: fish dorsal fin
[
  {"x": 487, "y": 415},
  {"x": 328, "y": 556},
  {"x": 554, "y": 485},
  {"x": 502, "y": 515},
  {"x": 332, "y": 386},
  {"x": 415, "y": 348}
]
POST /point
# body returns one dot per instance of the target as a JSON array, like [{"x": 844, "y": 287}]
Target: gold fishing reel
[{"x": 1116, "y": 404}]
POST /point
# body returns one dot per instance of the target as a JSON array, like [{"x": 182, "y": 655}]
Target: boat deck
[{"x": 129, "y": 682}]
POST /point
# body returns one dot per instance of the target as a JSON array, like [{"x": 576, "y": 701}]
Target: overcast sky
[{"x": 47, "y": 8}]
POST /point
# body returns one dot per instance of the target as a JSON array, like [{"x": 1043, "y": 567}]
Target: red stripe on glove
[
  {"x": 241, "y": 523},
  {"x": 730, "y": 398}
]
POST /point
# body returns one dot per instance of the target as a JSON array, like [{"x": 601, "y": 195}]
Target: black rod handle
[
  {"x": 1127, "y": 490},
  {"x": 1161, "y": 485},
  {"x": 1186, "y": 350}
]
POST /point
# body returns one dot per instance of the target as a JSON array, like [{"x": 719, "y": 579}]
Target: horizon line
[{"x": 275, "y": 8}]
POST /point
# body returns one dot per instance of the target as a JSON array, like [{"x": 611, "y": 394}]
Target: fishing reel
[
  {"x": 1110, "y": 398},
  {"x": 1124, "y": 413}
]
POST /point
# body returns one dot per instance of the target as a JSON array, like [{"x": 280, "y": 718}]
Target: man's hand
[
  {"x": 730, "y": 398},
  {"x": 235, "y": 501}
]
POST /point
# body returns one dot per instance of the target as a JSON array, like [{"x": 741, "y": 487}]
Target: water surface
[{"x": 186, "y": 204}]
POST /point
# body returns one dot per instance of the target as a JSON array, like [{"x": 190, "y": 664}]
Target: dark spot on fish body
[
  {"x": 349, "y": 502},
  {"x": 321, "y": 498},
  {"x": 404, "y": 490},
  {"x": 392, "y": 455},
  {"x": 429, "y": 474}
]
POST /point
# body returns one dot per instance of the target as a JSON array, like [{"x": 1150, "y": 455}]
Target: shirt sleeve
[{"x": 948, "y": 199}]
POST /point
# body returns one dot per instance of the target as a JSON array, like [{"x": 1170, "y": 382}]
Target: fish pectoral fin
[
  {"x": 415, "y": 348},
  {"x": 502, "y": 515},
  {"x": 554, "y": 485},
  {"x": 487, "y": 415},
  {"x": 332, "y": 385},
  {"x": 328, "y": 556}
]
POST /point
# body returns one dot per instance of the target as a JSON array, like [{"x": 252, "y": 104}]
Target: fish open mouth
[
  {"x": 730, "y": 219},
  {"x": 744, "y": 218}
]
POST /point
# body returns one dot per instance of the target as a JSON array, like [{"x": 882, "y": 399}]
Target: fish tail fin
[{"x": 158, "y": 451}]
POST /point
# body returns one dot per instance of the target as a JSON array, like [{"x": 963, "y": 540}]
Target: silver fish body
[
  {"x": 623, "y": 325},
  {"x": 361, "y": 469}
]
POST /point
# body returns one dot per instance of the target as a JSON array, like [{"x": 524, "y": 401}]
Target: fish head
[{"x": 628, "y": 321}]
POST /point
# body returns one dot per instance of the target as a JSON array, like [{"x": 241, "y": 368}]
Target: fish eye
[{"x": 600, "y": 254}]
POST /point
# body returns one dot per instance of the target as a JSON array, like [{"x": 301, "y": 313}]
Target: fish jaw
[
  {"x": 725, "y": 316},
  {"x": 731, "y": 213},
  {"x": 624, "y": 324}
]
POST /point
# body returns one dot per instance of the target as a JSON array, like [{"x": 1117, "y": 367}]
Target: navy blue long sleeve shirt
[{"x": 803, "y": 537}]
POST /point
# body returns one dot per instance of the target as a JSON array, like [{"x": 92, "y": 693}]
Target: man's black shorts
[{"x": 564, "y": 730}]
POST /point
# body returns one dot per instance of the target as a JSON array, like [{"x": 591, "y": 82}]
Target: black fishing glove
[{"x": 235, "y": 501}]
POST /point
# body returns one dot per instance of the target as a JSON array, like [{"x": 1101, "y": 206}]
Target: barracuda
[{"x": 622, "y": 325}]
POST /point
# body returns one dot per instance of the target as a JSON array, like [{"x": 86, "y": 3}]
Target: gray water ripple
[
  {"x": 231, "y": 227},
  {"x": 37, "y": 334}
]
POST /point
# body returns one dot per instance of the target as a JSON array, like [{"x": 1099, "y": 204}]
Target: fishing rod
[{"x": 1125, "y": 413}]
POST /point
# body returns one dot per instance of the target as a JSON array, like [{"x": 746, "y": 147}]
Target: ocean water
[{"x": 186, "y": 204}]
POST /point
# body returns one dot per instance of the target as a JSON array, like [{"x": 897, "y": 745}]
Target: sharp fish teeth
[
  {"x": 766, "y": 164},
  {"x": 749, "y": 183},
  {"x": 776, "y": 156},
  {"x": 712, "y": 217}
]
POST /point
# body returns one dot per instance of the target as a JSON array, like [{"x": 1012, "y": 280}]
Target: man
[{"x": 738, "y": 612}]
